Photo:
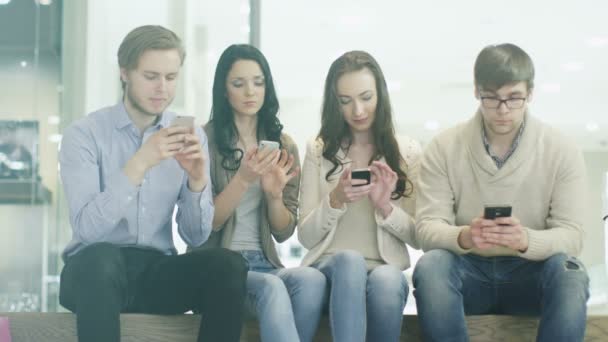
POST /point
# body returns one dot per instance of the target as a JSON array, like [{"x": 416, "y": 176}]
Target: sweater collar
[{"x": 473, "y": 135}]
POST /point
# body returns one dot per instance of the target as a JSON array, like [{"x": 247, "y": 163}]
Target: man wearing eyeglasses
[{"x": 524, "y": 262}]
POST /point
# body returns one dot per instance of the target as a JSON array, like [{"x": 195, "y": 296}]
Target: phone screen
[
  {"x": 364, "y": 174},
  {"x": 491, "y": 212}
]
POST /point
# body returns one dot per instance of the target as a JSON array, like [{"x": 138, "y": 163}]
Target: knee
[
  {"x": 349, "y": 261},
  {"x": 229, "y": 267},
  {"x": 312, "y": 276},
  {"x": 389, "y": 281},
  {"x": 312, "y": 281},
  {"x": 562, "y": 272},
  {"x": 99, "y": 263},
  {"x": 233, "y": 261},
  {"x": 272, "y": 287},
  {"x": 434, "y": 266},
  {"x": 388, "y": 276}
]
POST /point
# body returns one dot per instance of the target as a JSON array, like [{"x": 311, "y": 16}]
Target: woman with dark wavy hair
[
  {"x": 357, "y": 229},
  {"x": 256, "y": 195}
]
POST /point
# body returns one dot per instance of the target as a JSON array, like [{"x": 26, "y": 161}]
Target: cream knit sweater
[
  {"x": 544, "y": 182},
  {"x": 319, "y": 221}
]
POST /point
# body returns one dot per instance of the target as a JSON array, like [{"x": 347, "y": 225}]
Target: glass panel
[{"x": 30, "y": 61}]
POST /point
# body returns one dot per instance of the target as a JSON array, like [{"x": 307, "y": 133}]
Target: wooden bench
[{"x": 61, "y": 327}]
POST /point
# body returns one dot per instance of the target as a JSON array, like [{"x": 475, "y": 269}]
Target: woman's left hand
[
  {"x": 385, "y": 181},
  {"x": 274, "y": 181}
]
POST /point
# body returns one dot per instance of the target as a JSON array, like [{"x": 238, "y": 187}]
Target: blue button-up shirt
[{"x": 106, "y": 207}]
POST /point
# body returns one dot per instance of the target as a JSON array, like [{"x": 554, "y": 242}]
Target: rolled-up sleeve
[{"x": 195, "y": 209}]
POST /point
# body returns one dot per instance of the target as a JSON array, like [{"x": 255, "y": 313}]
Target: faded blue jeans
[
  {"x": 363, "y": 304},
  {"x": 450, "y": 286},
  {"x": 287, "y": 301}
]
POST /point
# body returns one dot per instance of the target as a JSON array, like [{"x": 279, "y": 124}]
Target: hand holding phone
[{"x": 345, "y": 191}]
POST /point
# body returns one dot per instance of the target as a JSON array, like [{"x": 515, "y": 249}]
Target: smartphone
[
  {"x": 271, "y": 145},
  {"x": 364, "y": 174},
  {"x": 491, "y": 212},
  {"x": 186, "y": 121}
]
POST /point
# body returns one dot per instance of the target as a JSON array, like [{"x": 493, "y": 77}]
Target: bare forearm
[
  {"x": 227, "y": 201},
  {"x": 197, "y": 185},
  {"x": 279, "y": 216}
]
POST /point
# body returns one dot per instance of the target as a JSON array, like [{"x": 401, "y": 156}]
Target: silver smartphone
[
  {"x": 185, "y": 121},
  {"x": 267, "y": 144}
]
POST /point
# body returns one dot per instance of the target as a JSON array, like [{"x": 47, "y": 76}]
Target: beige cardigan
[
  {"x": 222, "y": 237},
  {"x": 543, "y": 180},
  {"x": 319, "y": 220}
]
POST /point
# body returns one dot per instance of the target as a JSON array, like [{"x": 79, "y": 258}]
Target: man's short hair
[
  {"x": 499, "y": 65},
  {"x": 143, "y": 38}
]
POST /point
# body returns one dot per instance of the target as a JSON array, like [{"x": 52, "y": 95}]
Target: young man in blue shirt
[{"x": 124, "y": 168}]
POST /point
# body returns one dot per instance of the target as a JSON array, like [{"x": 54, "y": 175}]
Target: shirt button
[
  {"x": 143, "y": 209},
  {"x": 129, "y": 198}
]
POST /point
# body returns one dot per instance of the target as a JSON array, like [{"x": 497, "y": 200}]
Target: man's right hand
[
  {"x": 164, "y": 144},
  {"x": 471, "y": 236}
]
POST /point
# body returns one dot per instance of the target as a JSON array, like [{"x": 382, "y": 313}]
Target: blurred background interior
[{"x": 58, "y": 62}]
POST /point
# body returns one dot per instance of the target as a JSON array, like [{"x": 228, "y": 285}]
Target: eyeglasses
[{"x": 511, "y": 103}]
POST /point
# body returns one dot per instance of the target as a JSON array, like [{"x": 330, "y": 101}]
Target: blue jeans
[
  {"x": 450, "y": 286},
  {"x": 362, "y": 304},
  {"x": 287, "y": 301}
]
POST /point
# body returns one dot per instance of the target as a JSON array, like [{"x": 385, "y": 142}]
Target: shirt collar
[
  {"x": 123, "y": 120},
  {"x": 501, "y": 161}
]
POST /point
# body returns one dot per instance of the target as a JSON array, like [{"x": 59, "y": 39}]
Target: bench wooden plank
[{"x": 61, "y": 327}]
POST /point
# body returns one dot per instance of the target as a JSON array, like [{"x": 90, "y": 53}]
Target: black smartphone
[
  {"x": 491, "y": 212},
  {"x": 364, "y": 174}
]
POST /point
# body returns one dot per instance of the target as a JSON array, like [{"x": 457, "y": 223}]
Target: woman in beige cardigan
[
  {"x": 357, "y": 232},
  {"x": 256, "y": 195}
]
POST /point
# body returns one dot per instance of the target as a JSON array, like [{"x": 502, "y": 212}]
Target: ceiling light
[
  {"x": 393, "y": 85},
  {"x": 23, "y": 64},
  {"x": 573, "y": 66},
  {"x": 351, "y": 21},
  {"x": 597, "y": 41},
  {"x": 592, "y": 126},
  {"x": 245, "y": 9},
  {"x": 4, "y": 2},
  {"x": 53, "y": 120},
  {"x": 551, "y": 87},
  {"x": 55, "y": 138},
  {"x": 44, "y": 2},
  {"x": 431, "y": 125}
]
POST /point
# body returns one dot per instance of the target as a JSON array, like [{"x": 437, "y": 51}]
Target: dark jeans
[
  {"x": 450, "y": 286},
  {"x": 103, "y": 280}
]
